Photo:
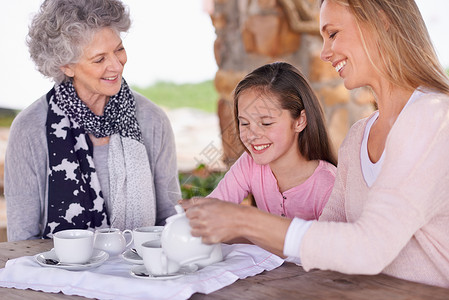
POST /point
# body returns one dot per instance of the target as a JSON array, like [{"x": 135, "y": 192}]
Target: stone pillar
[{"x": 251, "y": 33}]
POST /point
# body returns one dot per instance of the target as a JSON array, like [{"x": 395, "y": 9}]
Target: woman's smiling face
[
  {"x": 268, "y": 132},
  {"x": 98, "y": 73},
  {"x": 343, "y": 46}
]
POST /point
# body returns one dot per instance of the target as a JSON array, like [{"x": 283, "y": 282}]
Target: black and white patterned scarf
[{"x": 75, "y": 199}]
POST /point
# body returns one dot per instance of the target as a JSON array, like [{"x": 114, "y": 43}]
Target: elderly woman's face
[{"x": 98, "y": 73}]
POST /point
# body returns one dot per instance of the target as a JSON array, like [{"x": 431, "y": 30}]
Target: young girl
[{"x": 288, "y": 165}]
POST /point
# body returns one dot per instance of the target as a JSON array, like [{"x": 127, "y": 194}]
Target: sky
[{"x": 170, "y": 40}]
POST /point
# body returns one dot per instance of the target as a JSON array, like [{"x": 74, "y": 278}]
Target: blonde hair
[{"x": 408, "y": 58}]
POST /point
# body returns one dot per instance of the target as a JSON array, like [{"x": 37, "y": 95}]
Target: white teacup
[
  {"x": 155, "y": 260},
  {"x": 112, "y": 240},
  {"x": 74, "y": 246},
  {"x": 145, "y": 234}
]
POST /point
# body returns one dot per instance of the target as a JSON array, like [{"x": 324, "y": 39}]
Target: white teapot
[
  {"x": 112, "y": 240},
  {"x": 180, "y": 246}
]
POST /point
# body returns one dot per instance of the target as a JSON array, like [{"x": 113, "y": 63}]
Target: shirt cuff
[{"x": 293, "y": 238}]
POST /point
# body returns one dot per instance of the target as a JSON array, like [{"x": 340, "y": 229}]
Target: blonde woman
[{"x": 389, "y": 209}]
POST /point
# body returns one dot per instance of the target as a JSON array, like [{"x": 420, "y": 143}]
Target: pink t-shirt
[{"x": 305, "y": 201}]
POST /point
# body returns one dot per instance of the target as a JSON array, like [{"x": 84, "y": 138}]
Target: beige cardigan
[{"x": 399, "y": 226}]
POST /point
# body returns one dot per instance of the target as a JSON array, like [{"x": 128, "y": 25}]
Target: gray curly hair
[{"x": 61, "y": 28}]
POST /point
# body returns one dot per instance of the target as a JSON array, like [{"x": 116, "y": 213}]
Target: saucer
[
  {"x": 132, "y": 257},
  {"x": 98, "y": 257},
  {"x": 142, "y": 273}
]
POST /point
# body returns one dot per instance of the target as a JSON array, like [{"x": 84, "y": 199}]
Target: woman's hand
[
  {"x": 214, "y": 220},
  {"x": 187, "y": 203},
  {"x": 218, "y": 221}
]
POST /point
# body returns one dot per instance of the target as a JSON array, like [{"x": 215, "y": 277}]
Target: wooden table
[{"x": 286, "y": 282}]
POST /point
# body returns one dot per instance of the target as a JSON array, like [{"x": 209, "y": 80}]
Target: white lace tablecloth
[{"x": 112, "y": 280}]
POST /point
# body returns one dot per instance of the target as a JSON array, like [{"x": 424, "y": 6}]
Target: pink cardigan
[
  {"x": 399, "y": 226},
  {"x": 305, "y": 201}
]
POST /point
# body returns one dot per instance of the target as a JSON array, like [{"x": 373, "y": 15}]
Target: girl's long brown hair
[{"x": 292, "y": 90}]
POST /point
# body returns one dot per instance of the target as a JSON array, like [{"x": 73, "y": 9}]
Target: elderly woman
[{"x": 90, "y": 153}]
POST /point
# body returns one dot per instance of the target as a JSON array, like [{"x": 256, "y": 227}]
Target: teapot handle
[{"x": 131, "y": 239}]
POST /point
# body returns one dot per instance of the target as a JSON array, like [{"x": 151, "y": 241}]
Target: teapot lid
[{"x": 179, "y": 214}]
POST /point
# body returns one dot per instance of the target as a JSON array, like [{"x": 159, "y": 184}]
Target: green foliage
[
  {"x": 6, "y": 121},
  {"x": 199, "y": 95},
  {"x": 199, "y": 183},
  {"x": 7, "y": 116}
]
